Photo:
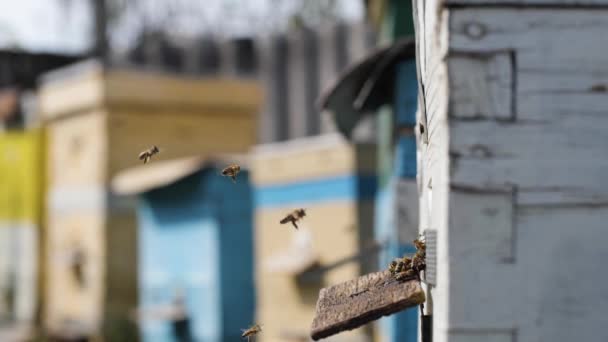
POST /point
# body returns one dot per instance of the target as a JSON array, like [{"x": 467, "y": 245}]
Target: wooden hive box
[
  {"x": 335, "y": 182},
  {"x": 195, "y": 246},
  {"x": 98, "y": 121}
]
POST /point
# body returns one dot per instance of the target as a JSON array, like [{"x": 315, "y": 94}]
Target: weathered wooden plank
[
  {"x": 557, "y": 157},
  {"x": 565, "y": 138},
  {"x": 482, "y": 226},
  {"x": 481, "y": 86},
  {"x": 537, "y": 31},
  {"x": 574, "y": 177},
  {"x": 356, "y": 302},
  {"x": 483, "y": 335},
  {"x": 550, "y": 76}
]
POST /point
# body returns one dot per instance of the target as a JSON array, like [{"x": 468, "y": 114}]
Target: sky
[
  {"x": 43, "y": 25},
  {"x": 66, "y": 25}
]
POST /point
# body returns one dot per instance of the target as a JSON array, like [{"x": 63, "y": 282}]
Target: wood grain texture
[
  {"x": 482, "y": 87},
  {"x": 96, "y": 88},
  {"x": 550, "y": 149},
  {"x": 311, "y": 158},
  {"x": 356, "y": 302}
]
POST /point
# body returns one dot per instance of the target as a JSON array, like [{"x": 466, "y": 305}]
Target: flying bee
[
  {"x": 294, "y": 217},
  {"x": 147, "y": 154},
  {"x": 231, "y": 171},
  {"x": 251, "y": 331}
]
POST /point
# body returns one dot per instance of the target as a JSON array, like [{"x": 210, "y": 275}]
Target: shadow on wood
[{"x": 356, "y": 302}]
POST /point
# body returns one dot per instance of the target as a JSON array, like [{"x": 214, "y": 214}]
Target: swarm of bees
[
  {"x": 407, "y": 268},
  {"x": 251, "y": 331},
  {"x": 231, "y": 171},
  {"x": 147, "y": 154},
  {"x": 294, "y": 217}
]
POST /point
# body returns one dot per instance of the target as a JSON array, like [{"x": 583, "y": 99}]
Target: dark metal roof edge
[{"x": 352, "y": 68}]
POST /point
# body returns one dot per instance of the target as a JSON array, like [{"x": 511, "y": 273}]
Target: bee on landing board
[
  {"x": 294, "y": 217},
  {"x": 251, "y": 331},
  {"x": 147, "y": 154},
  {"x": 231, "y": 171}
]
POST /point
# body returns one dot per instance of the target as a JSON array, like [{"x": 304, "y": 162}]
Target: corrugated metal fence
[{"x": 294, "y": 68}]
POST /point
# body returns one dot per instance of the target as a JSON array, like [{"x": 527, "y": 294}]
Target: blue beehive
[{"x": 195, "y": 238}]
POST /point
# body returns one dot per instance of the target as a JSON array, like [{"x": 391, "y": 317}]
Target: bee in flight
[
  {"x": 231, "y": 171},
  {"x": 147, "y": 154},
  {"x": 294, "y": 217},
  {"x": 251, "y": 331}
]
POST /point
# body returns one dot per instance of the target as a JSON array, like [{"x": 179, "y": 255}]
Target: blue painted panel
[
  {"x": 347, "y": 187},
  {"x": 405, "y": 157},
  {"x": 237, "y": 262},
  {"x": 181, "y": 256},
  {"x": 196, "y": 235},
  {"x": 401, "y": 327},
  {"x": 406, "y": 89}
]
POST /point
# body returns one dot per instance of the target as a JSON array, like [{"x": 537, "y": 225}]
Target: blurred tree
[
  {"x": 127, "y": 20},
  {"x": 100, "y": 38}
]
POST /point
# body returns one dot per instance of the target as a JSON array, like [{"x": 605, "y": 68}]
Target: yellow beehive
[
  {"x": 21, "y": 216},
  {"x": 98, "y": 121},
  {"x": 335, "y": 182}
]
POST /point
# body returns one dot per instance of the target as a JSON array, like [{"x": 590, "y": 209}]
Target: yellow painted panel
[
  {"x": 78, "y": 149},
  {"x": 21, "y": 176},
  {"x": 158, "y": 90},
  {"x": 310, "y": 158},
  {"x": 94, "y": 88},
  {"x": 301, "y": 165},
  {"x": 65, "y": 298},
  {"x": 81, "y": 92},
  {"x": 177, "y": 134},
  {"x": 284, "y": 306}
]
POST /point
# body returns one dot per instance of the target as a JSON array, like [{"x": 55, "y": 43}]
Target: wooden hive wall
[
  {"x": 327, "y": 179},
  {"x": 514, "y": 135}
]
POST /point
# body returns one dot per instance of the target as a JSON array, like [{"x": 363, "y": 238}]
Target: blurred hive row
[
  {"x": 120, "y": 236},
  {"x": 111, "y": 247}
]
